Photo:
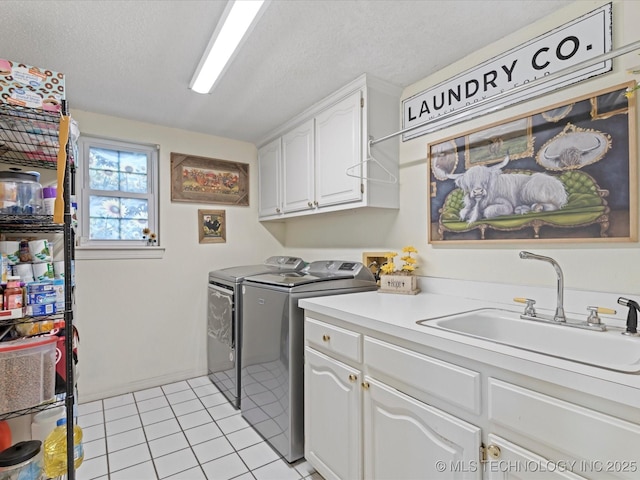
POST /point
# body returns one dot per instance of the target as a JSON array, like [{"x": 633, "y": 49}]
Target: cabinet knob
[
  {"x": 326, "y": 338},
  {"x": 352, "y": 378},
  {"x": 310, "y": 204},
  {"x": 315, "y": 203},
  {"x": 277, "y": 210},
  {"x": 365, "y": 385},
  {"x": 493, "y": 452}
]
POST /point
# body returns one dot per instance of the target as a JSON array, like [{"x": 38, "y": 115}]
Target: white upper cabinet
[
  {"x": 269, "y": 159},
  {"x": 297, "y": 168},
  {"x": 338, "y": 147},
  {"x": 325, "y": 166}
]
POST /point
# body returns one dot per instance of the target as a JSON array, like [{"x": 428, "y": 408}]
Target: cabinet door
[
  {"x": 269, "y": 158},
  {"x": 332, "y": 417},
  {"x": 338, "y": 147},
  {"x": 407, "y": 439},
  {"x": 514, "y": 462},
  {"x": 297, "y": 167}
]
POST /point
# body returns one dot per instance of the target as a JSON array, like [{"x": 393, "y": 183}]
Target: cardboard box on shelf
[{"x": 28, "y": 86}]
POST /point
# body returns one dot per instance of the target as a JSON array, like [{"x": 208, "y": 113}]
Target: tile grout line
[
  {"x": 224, "y": 435},
  {"x": 184, "y": 433},
  {"x": 144, "y": 432},
  {"x": 235, "y": 451},
  {"x": 109, "y": 472}
]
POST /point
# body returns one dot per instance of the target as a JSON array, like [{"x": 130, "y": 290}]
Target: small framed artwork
[
  {"x": 208, "y": 180},
  {"x": 212, "y": 226},
  {"x": 490, "y": 145}
]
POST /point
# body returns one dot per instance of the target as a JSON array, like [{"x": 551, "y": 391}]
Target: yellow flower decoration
[
  {"x": 388, "y": 268},
  {"x": 409, "y": 263}
]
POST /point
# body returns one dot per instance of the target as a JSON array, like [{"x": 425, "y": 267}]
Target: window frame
[{"x": 102, "y": 247}]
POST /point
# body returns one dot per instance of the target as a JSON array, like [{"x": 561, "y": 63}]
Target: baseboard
[{"x": 143, "y": 384}]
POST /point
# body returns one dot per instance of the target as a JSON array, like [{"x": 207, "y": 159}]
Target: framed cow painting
[{"x": 564, "y": 173}]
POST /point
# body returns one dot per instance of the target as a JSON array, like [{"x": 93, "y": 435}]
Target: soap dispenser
[{"x": 632, "y": 316}]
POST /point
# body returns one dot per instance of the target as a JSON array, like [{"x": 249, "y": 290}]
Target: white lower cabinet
[
  {"x": 407, "y": 439},
  {"x": 580, "y": 440},
  {"x": 513, "y": 462},
  {"x": 332, "y": 398},
  {"x": 359, "y": 427},
  {"x": 375, "y": 410}
]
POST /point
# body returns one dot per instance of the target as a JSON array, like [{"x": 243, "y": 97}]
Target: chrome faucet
[{"x": 559, "y": 315}]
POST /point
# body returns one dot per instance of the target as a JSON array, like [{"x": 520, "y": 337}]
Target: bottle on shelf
[
  {"x": 13, "y": 293},
  {"x": 55, "y": 450},
  {"x": 44, "y": 422}
]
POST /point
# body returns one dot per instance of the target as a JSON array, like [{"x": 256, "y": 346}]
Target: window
[{"x": 118, "y": 192}]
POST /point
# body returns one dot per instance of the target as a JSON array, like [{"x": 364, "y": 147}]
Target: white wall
[
  {"x": 609, "y": 267},
  {"x": 142, "y": 322}
]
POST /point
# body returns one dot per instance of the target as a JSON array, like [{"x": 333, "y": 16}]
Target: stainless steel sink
[{"x": 608, "y": 349}]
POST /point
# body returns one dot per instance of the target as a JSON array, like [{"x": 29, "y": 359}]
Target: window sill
[{"x": 120, "y": 253}]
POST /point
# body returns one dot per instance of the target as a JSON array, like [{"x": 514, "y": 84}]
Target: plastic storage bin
[
  {"x": 21, "y": 461},
  {"x": 28, "y": 369}
]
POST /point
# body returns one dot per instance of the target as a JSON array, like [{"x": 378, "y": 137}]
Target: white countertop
[{"x": 396, "y": 315}]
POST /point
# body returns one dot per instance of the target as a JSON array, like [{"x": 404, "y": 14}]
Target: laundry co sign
[{"x": 577, "y": 41}]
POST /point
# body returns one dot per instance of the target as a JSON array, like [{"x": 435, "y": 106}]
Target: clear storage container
[
  {"x": 28, "y": 369},
  {"x": 21, "y": 461},
  {"x": 20, "y": 194}
]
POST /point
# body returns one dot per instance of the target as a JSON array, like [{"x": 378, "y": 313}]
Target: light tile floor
[{"x": 185, "y": 430}]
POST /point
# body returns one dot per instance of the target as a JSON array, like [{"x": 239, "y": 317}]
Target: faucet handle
[
  {"x": 529, "y": 308},
  {"x": 593, "y": 318}
]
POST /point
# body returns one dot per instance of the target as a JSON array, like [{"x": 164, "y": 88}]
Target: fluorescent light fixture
[{"x": 237, "y": 20}]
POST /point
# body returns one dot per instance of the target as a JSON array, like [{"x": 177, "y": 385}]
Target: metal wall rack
[{"x": 17, "y": 127}]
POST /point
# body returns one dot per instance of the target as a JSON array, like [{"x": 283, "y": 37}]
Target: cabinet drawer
[
  {"x": 333, "y": 340},
  {"x": 398, "y": 366},
  {"x": 574, "y": 430}
]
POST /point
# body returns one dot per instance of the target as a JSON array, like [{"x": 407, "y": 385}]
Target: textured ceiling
[{"x": 134, "y": 59}]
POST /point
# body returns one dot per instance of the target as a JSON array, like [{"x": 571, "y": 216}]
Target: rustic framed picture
[
  {"x": 563, "y": 173},
  {"x": 208, "y": 180},
  {"x": 492, "y": 144},
  {"x": 212, "y": 226}
]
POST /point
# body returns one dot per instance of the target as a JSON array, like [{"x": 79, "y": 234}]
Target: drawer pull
[
  {"x": 352, "y": 377},
  {"x": 365, "y": 385},
  {"x": 493, "y": 452},
  {"x": 326, "y": 338}
]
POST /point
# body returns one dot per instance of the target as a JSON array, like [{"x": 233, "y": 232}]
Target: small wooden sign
[{"x": 405, "y": 284}]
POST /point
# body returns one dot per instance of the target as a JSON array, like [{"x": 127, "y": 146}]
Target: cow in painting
[{"x": 490, "y": 193}]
